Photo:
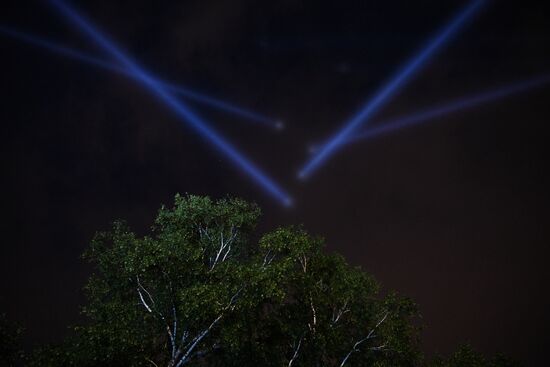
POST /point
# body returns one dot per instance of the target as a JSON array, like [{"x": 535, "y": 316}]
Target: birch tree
[{"x": 201, "y": 290}]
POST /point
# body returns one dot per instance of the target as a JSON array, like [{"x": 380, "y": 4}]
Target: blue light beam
[
  {"x": 179, "y": 108},
  {"x": 178, "y": 89},
  {"x": 383, "y": 96},
  {"x": 427, "y": 115}
]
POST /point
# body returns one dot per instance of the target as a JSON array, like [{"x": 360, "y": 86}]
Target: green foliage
[
  {"x": 199, "y": 291},
  {"x": 10, "y": 343},
  {"x": 465, "y": 356}
]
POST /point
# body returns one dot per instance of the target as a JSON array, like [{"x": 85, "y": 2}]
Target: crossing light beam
[
  {"x": 172, "y": 87},
  {"x": 383, "y": 96},
  {"x": 179, "y": 108},
  {"x": 457, "y": 105}
]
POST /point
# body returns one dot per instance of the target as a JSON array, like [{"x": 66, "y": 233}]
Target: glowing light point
[
  {"x": 313, "y": 148},
  {"x": 301, "y": 175},
  {"x": 181, "y": 110},
  {"x": 288, "y": 202}
]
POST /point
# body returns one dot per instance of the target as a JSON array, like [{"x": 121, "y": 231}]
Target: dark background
[{"x": 453, "y": 214}]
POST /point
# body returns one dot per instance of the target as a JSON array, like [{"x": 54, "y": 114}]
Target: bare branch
[
  {"x": 184, "y": 336},
  {"x": 204, "y": 232},
  {"x": 313, "y": 315},
  {"x": 224, "y": 248},
  {"x": 337, "y": 314},
  {"x": 296, "y": 351},
  {"x": 186, "y": 356},
  {"x": 146, "y": 292},
  {"x": 175, "y": 329},
  {"x": 303, "y": 262},
  {"x": 143, "y": 302},
  {"x": 370, "y": 335},
  {"x": 380, "y": 347},
  {"x": 268, "y": 259},
  {"x": 158, "y": 313}
]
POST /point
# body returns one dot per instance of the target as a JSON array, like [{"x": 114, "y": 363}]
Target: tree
[
  {"x": 199, "y": 291},
  {"x": 465, "y": 356},
  {"x": 11, "y": 353}
]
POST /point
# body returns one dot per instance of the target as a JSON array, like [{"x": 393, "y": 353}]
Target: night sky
[{"x": 453, "y": 213}]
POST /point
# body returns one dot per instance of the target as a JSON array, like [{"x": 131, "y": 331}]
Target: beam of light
[
  {"x": 427, "y": 115},
  {"x": 178, "y": 89},
  {"x": 180, "y": 109},
  {"x": 383, "y": 96}
]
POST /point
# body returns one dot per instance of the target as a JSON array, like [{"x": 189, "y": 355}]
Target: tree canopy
[
  {"x": 465, "y": 356},
  {"x": 10, "y": 342},
  {"x": 202, "y": 290}
]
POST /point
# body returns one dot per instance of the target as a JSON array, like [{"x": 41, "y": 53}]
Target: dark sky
[{"x": 453, "y": 214}]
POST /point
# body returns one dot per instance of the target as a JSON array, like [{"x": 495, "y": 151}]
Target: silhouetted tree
[
  {"x": 465, "y": 356},
  {"x": 11, "y": 353},
  {"x": 199, "y": 291}
]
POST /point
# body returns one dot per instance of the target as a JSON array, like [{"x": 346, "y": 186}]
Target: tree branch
[
  {"x": 296, "y": 351},
  {"x": 336, "y": 315},
  {"x": 149, "y": 308},
  {"x": 186, "y": 356},
  {"x": 268, "y": 259},
  {"x": 151, "y": 361},
  {"x": 370, "y": 335},
  {"x": 224, "y": 248},
  {"x": 313, "y": 315}
]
